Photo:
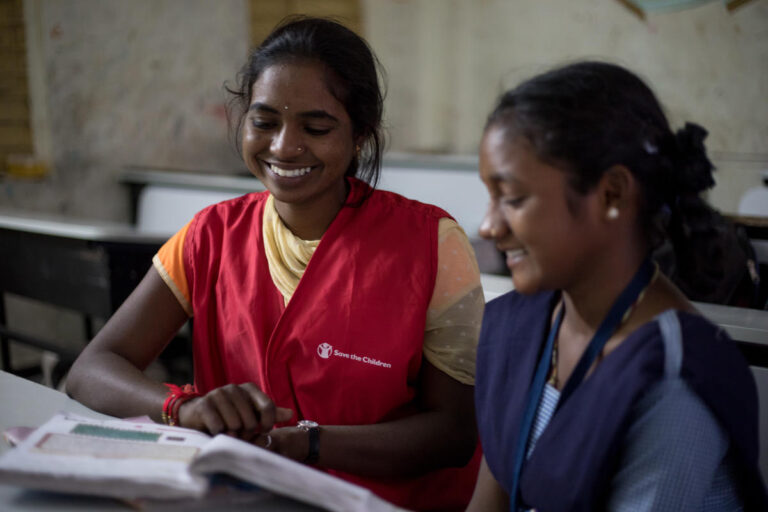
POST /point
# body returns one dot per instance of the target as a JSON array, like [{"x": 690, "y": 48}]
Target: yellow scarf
[{"x": 287, "y": 254}]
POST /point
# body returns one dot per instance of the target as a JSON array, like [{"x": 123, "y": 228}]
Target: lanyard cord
[
  {"x": 537, "y": 386},
  {"x": 618, "y": 313}
]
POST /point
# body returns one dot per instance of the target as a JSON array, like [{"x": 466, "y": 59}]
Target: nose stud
[
  {"x": 300, "y": 149},
  {"x": 612, "y": 213}
]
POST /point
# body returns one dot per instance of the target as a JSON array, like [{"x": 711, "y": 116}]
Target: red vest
[{"x": 348, "y": 347}]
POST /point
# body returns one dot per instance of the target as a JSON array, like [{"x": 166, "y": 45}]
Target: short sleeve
[
  {"x": 455, "y": 311},
  {"x": 674, "y": 456},
  {"x": 169, "y": 263}
]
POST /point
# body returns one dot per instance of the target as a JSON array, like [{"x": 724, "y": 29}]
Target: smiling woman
[
  {"x": 599, "y": 386},
  {"x": 353, "y": 310},
  {"x": 302, "y": 151}
]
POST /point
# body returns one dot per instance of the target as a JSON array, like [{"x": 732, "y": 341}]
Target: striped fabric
[
  {"x": 544, "y": 412},
  {"x": 674, "y": 456}
]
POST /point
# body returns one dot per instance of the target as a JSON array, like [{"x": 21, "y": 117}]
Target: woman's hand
[
  {"x": 291, "y": 442},
  {"x": 241, "y": 411}
]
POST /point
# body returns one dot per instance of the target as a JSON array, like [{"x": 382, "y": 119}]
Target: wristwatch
[{"x": 313, "y": 429}]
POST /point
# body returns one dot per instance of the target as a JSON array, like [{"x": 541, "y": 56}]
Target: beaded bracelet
[{"x": 176, "y": 397}]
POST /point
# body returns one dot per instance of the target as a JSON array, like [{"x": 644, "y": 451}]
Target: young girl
[
  {"x": 352, "y": 310},
  {"x": 599, "y": 386}
]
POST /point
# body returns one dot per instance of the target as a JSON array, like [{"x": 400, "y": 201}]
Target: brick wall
[{"x": 15, "y": 132}]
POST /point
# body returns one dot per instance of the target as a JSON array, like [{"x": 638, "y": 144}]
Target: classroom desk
[
  {"x": 167, "y": 199},
  {"x": 24, "y": 403},
  {"x": 748, "y": 327},
  {"x": 756, "y": 228},
  {"x": 89, "y": 267}
]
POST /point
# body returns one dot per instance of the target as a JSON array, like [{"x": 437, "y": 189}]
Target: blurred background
[
  {"x": 91, "y": 86},
  {"x": 114, "y": 111},
  {"x": 113, "y": 131}
]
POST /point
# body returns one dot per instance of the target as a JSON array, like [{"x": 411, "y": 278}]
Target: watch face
[{"x": 307, "y": 424}]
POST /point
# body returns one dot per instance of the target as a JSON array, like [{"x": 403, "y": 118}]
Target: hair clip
[{"x": 649, "y": 148}]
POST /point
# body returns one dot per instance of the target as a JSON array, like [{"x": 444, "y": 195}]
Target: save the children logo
[{"x": 324, "y": 350}]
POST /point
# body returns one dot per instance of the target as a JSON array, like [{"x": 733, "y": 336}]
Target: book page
[
  {"x": 285, "y": 476},
  {"x": 118, "y": 458}
]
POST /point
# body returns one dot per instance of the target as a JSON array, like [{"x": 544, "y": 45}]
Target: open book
[{"x": 127, "y": 459}]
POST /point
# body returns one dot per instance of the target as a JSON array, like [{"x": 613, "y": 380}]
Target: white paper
[
  {"x": 70, "y": 453},
  {"x": 287, "y": 477},
  {"x": 133, "y": 460}
]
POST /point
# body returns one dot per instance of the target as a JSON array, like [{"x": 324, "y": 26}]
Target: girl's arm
[
  {"x": 108, "y": 375},
  {"x": 672, "y": 451},
  {"x": 488, "y": 495},
  {"x": 441, "y": 434}
]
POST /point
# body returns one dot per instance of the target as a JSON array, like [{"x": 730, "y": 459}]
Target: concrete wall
[
  {"x": 140, "y": 83},
  {"x": 118, "y": 83},
  {"x": 127, "y": 83},
  {"x": 448, "y": 60}
]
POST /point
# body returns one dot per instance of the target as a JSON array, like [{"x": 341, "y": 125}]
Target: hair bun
[{"x": 693, "y": 168}]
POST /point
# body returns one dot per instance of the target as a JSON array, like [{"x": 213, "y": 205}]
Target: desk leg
[{"x": 5, "y": 345}]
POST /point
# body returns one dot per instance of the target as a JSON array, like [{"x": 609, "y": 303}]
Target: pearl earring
[{"x": 612, "y": 213}]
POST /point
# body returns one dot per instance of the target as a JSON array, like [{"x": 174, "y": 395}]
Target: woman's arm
[
  {"x": 441, "y": 434},
  {"x": 488, "y": 495},
  {"x": 108, "y": 375}
]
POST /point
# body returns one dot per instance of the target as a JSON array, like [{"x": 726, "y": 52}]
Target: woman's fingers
[
  {"x": 223, "y": 401},
  {"x": 242, "y": 411},
  {"x": 265, "y": 441},
  {"x": 265, "y": 408},
  {"x": 248, "y": 417},
  {"x": 283, "y": 414},
  {"x": 206, "y": 416}
]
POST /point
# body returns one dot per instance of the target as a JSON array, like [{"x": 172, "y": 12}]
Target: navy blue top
[{"x": 578, "y": 453}]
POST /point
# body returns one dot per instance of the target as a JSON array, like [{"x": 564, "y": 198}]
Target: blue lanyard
[{"x": 609, "y": 324}]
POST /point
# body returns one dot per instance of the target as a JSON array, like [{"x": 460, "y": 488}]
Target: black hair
[
  {"x": 586, "y": 117},
  {"x": 589, "y": 116},
  {"x": 353, "y": 80}
]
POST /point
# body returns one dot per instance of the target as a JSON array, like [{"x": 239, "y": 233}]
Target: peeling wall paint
[{"x": 132, "y": 83}]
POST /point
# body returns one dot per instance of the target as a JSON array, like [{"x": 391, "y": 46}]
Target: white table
[
  {"x": 742, "y": 324},
  {"x": 85, "y": 266},
  {"x": 24, "y": 403}
]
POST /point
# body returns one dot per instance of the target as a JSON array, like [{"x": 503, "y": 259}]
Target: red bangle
[{"x": 176, "y": 397}]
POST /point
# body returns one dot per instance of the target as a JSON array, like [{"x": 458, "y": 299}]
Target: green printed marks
[{"x": 114, "y": 433}]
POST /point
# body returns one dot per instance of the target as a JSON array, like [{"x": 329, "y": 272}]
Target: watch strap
[
  {"x": 313, "y": 431},
  {"x": 314, "y": 445}
]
